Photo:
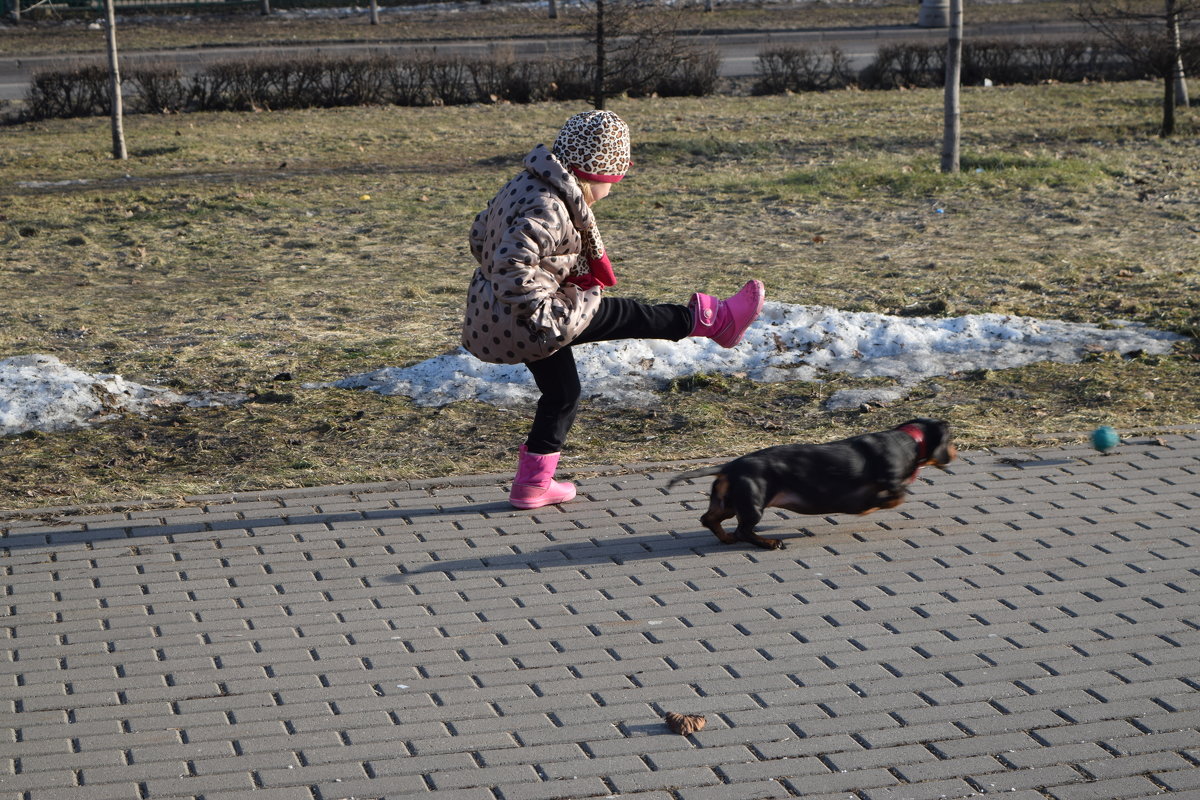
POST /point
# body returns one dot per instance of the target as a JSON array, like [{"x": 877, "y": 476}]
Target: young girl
[{"x": 539, "y": 288}]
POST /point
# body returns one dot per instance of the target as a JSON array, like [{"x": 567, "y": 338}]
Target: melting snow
[
  {"x": 788, "y": 342},
  {"x": 39, "y": 392}
]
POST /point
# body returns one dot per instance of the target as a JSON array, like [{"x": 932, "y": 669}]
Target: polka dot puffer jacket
[{"x": 521, "y": 306}]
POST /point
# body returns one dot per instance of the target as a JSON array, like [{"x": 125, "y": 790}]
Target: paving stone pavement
[{"x": 1025, "y": 624}]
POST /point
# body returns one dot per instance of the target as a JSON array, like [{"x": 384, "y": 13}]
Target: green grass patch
[{"x": 921, "y": 177}]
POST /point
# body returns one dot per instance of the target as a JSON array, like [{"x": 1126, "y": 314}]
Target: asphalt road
[{"x": 739, "y": 51}]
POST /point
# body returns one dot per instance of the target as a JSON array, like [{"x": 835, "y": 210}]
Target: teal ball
[{"x": 1105, "y": 438}]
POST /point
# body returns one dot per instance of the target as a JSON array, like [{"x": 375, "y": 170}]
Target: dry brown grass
[
  {"x": 498, "y": 21},
  {"x": 232, "y": 248}
]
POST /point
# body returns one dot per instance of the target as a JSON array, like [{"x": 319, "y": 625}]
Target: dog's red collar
[{"x": 918, "y": 436}]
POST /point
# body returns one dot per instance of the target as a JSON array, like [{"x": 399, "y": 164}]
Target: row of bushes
[
  {"x": 378, "y": 79},
  {"x": 1002, "y": 62},
  {"x": 280, "y": 82},
  {"x": 924, "y": 65}
]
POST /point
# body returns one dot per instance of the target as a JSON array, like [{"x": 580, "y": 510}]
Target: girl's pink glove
[{"x": 600, "y": 273}]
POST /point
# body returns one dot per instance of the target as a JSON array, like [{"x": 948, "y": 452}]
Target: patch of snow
[
  {"x": 788, "y": 342},
  {"x": 857, "y": 398},
  {"x": 39, "y": 392},
  {"x": 52, "y": 184}
]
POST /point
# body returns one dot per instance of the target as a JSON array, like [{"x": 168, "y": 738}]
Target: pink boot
[
  {"x": 534, "y": 486},
  {"x": 725, "y": 321}
]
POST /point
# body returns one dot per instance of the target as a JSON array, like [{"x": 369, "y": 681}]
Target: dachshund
[{"x": 857, "y": 475}]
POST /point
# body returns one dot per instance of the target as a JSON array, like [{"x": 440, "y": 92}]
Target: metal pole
[{"x": 114, "y": 86}]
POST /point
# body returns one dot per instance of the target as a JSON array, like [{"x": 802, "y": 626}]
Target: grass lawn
[
  {"x": 232, "y": 248},
  {"x": 487, "y": 21}
]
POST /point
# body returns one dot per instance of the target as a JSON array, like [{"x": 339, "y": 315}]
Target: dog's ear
[{"x": 937, "y": 436}]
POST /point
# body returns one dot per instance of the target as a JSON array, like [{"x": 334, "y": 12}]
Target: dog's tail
[{"x": 695, "y": 473}]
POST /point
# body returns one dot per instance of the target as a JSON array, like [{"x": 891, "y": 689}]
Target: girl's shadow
[{"x": 616, "y": 550}]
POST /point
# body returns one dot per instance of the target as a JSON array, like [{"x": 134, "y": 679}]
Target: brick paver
[{"x": 1027, "y": 623}]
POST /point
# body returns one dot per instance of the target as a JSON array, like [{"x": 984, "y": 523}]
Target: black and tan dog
[{"x": 852, "y": 476}]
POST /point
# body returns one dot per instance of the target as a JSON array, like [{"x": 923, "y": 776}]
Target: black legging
[{"x": 558, "y": 379}]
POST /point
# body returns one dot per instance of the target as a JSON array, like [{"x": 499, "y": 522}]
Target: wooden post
[
  {"x": 114, "y": 85},
  {"x": 953, "y": 111},
  {"x": 374, "y": 12}
]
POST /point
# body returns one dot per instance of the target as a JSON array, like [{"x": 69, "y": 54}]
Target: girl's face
[{"x": 599, "y": 191}]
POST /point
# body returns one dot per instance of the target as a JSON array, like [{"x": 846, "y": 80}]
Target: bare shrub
[
  {"x": 1001, "y": 62},
  {"x": 695, "y": 74},
  {"x": 1061, "y": 61},
  {"x": 645, "y": 55},
  {"x": 303, "y": 83},
  {"x": 225, "y": 86},
  {"x": 155, "y": 88},
  {"x": 904, "y": 66},
  {"x": 570, "y": 79},
  {"x": 355, "y": 81},
  {"x": 505, "y": 78},
  {"x": 799, "y": 69},
  {"x": 80, "y": 90},
  {"x": 406, "y": 84},
  {"x": 449, "y": 80}
]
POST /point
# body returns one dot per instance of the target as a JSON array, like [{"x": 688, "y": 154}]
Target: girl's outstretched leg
[
  {"x": 723, "y": 321},
  {"x": 622, "y": 318}
]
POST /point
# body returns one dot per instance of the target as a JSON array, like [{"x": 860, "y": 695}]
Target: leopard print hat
[{"x": 595, "y": 146}]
